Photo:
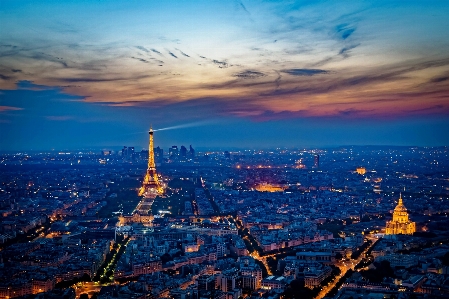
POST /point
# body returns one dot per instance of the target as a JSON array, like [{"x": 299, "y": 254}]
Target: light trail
[{"x": 189, "y": 125}]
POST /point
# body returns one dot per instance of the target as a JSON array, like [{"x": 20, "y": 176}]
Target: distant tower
[
  {"x": 316, "y": 161},
  {"x": 151, "y": 185}
]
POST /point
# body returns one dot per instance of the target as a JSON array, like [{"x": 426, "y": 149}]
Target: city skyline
[{"x": 235, "y": 74}]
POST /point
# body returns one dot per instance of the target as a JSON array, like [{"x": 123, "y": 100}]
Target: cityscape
[
  {"x": 224, "y": 149},
  {"x": 279, "y": 223}
]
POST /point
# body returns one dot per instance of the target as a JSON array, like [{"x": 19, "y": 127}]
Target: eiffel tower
[{"x": 151, "y": 185}]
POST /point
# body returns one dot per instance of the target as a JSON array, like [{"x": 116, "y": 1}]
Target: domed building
[{"x": 400, "y": 223}]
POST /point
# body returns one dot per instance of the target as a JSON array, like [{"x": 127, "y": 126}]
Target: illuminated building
[
  {"x": 361, "y": 170},
  {"x": 400, "y": 223},
  {"x": 266, "y": 187},
  {"x": 151, "y": 185},
  {"x": 173, "y": 152}
]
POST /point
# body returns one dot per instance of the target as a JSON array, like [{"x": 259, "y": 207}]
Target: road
[
  {"x": 344, "y": 267},
  {"x": 87, "y": 287}
]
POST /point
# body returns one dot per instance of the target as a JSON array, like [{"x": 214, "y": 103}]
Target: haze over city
[{"x": 259, "y": 74}]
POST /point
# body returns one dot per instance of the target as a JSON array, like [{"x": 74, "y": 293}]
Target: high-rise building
[
  {"x": 159, "y": 154},
  {"x": 151, "y": 185},
  {"x": 205, "y": 282},
  {"x": 173, "y": 152},
  {"x": 226, "y": 281},
  {"x": 316, "y": 161},
  {"x": 144, "y": 154},
  {"x": 183, "y": 153},
  {"x": 128, "y": 153},
  {"x": 400, "y": 224},
  {"x": 251, "y": 277},
  {"x": 191, "y": 152}
]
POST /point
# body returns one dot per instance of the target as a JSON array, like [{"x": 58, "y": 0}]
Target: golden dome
[
  {"x": 400, "y": 207},
  {"x": 400, "y": 224}
]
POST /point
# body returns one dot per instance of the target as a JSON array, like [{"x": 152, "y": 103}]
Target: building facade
[{"x": 400, "y": 224}]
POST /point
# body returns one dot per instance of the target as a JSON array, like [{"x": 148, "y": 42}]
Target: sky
[{"x": 227, "y": 74}]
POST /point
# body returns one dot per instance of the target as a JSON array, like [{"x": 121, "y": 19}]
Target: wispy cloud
[
  {"x": 173, "y": 55},
  {"x": 143, "y": 49},
  {"x": 249, "y": 74},
  {"x": 9, "y": 108},
  {"x": 156, "y": 51},
  {"x": 304, "y": 72},
  {"x": 344, "y": 30}
]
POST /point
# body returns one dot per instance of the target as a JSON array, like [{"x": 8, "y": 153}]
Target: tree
[
  {"x": 383, "y": 269},
  {"x": 166, "y": 258},
  {"x": 338, "y": 256},
  {"x": 85, "y": 277},
  {"x": 84, "y": 296}
]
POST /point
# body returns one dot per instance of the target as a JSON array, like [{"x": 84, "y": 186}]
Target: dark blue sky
[{"x": 80, "y": 74}]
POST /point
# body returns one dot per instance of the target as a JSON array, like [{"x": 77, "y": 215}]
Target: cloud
[
  {"x": 353, "y": 112},
  {"x": 345, "y": 51},
  {"x": 156, "y": 51},
  {"x": 344, "y": 30},
  {"x": 9, "y": 108},
  {"x": 50, "y": 58},
  {"x": 304, "y": 72},
  {"x": 312, "y": 63},
  {"x": 3, "y": 77},
  {"x": 439, "y": 79},
  {"x": 30, "y": 85},
  {"x": 184, "y": 54},
  {"x": 173, "y": 55},
  {"x": 221, "y": 64},
  {"x": 143, "y": 49},
  {"x": 104, "y": 78},
  {"x": 249, "y": 74},
  {"x": 140, "y": 59},
  {"x": 244, "y": 8}
]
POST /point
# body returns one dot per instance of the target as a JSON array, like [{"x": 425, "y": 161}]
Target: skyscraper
[
  {"x": 173, "y": 152},
  {"x": 159, "y": 154},
  {"x": 183, "y": 153},
  {"x": 192, "y": 152}
]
